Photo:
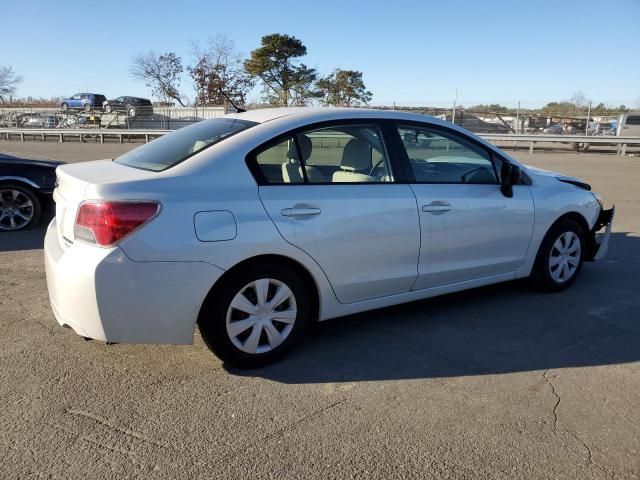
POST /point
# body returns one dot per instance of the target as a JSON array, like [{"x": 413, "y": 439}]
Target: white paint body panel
[
  {"x": 370, "y": 247},
  {"x": 483, "y": 234}
]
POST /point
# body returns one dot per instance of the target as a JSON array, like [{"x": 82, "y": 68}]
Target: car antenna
[{"x": 237, "y": 108}]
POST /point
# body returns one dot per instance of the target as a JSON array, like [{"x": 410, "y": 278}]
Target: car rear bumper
[
  {"x": 102, "y": 294},
  {"x": 600, "y": 241}
]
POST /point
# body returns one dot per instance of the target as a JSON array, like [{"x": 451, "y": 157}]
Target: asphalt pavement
[{"x": 497, "y": 382}]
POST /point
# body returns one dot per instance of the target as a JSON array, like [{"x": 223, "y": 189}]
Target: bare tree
[
  {"x": 579, "y": 99},
  {"x": 219, "y": 68},
  {"x": 9, "y": 80},
  {"x": 161, "y": 73}
]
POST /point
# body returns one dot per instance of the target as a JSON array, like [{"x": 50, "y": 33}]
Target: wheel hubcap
[
  {"x": 565, "y": 257},
  {"x": 261, "y": 316},
  {"x": 16, "y": 209}
]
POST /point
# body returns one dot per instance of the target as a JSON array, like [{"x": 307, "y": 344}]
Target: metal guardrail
[
  {"x": 148, "y": 134},
  {"x": 621, "y": 142},
  {"x": 80, "y": 133}
]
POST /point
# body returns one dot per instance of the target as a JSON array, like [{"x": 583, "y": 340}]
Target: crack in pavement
[
  {"x": 590, "y": 459},
  {"x": 558, "y": 400}
]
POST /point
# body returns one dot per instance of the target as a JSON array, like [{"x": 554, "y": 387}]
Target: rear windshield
[{"x": 175, "y": 147}]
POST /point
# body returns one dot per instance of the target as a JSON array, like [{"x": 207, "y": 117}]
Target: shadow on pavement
[
  {"x": 30, "y": 239},
  {"x": 497, "y": 329}
]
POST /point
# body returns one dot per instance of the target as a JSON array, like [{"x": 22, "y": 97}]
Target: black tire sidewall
[
  {"x": 212, "y": 318},
  {"x": 37, "y": 207},
  {"x": 542, "y": 276}
]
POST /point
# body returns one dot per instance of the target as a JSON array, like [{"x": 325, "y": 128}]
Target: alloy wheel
[
  {"x": 16, "y": 209},
  {"x": 565, "y": 257},
  {"x": 261, "y": 316}
]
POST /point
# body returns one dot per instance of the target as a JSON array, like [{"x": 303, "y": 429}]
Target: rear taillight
[{"x": 106, "y": 223}]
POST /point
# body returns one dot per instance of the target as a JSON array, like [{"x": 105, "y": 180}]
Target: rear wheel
[
  {"x": 64, "y": 107},
  {"x": 132, "y": 111},
  {"x": 19, "y": 207},
  {"x": 255, "y": 317},
  {"x": 560, "y": 257},
  {"x": 107, "y": 108},
  {"x": 87, "y": 107}
]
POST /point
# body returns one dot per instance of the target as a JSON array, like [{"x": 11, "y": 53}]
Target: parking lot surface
[{"x": 497, "y": 382}]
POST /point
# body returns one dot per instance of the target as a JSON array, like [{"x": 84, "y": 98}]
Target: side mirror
[{"x": 511, "y": 174}]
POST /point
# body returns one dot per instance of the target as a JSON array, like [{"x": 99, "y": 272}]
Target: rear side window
[
  {"x": 175, "y": 147},
  {"x": 633, "y": 120}
]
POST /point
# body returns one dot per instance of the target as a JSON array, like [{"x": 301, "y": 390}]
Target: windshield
[{"x": 175, "y": 147}]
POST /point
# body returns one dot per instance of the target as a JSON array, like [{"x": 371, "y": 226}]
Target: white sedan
[{"x": 255, "y": 224}]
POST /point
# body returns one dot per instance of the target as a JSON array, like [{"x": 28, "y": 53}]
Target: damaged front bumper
[{"x": 600, "y": 241}]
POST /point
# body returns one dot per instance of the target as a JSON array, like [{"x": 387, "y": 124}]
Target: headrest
[
  {"x": 356, "y": 155},
  {"x": 305, "y": 148}
]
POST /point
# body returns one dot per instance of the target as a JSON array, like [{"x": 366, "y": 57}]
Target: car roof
[{"x": 312, "y": 114}]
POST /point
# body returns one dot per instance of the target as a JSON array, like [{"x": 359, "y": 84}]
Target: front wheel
[
  {"x": 560, "y": 257},
  {"x": 256, "y": 316}
]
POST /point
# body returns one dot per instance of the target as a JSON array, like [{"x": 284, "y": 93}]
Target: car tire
[
  {"x": 11, "y": 197},
  {"x": 87, "y": 107},
  {"x": 64, "y": 107},
  {"x": 560, "y": 257},
  {"x": 265, "y": 338},
  {"x": 107, "y": 109},
  {"x": 131, "y": 111}
]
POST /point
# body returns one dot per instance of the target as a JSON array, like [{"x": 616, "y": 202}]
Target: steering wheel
[
  {"x": 467, "y": 175},
  {"x": 377, "y": 165}
]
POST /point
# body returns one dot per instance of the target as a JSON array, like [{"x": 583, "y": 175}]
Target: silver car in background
[{"x": 255, "y": 224}]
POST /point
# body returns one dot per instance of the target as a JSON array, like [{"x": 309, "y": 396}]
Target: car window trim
[
  {"x": 455, "y": 135},
  {"x": 251, "y": 159}
]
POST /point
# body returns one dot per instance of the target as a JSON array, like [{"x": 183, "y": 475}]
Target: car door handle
[
  {"x": 300, "y": 211},
  {"x": 437, "y": 206}
]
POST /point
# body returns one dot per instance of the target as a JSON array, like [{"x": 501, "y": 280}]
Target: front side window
[
  {"x": 633, "y": 120},
  {"x": 177, "y": 146},
  {"x": 337, "y": 154},
  {"x": 442, "y": 158}
]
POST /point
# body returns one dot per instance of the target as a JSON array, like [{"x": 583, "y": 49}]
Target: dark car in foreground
[
  {"x": 132, "y": 106},
  {"x": 83, "y": 101},
  {"x": 26, "y": 188}
]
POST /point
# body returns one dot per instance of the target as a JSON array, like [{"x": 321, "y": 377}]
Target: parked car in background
[
  {"x": 32, "y": 120},
  {"x": 477, "y": 125},
  {"x": 83, "y": 101},
  {"x": 254, "y": 224},
  {"x": 554, "y": 129},
  {"x": 629, "y": 124},
  {"x": 132, "y": 106},
  {"x": 26, "y": 187}
]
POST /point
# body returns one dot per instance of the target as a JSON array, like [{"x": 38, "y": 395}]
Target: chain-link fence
[
  {"x": 555, "y": 118},
  {"x": 127, "y": 117}
]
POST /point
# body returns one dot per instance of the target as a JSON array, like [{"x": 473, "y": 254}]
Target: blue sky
[{"x": 411, "y": 52}]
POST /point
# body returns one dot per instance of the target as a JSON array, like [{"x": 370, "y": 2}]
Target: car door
[
  {"x": 76, "y": 101},
  {"x": 470, "y": 229},
  {"x": 331, "y": 192}
]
